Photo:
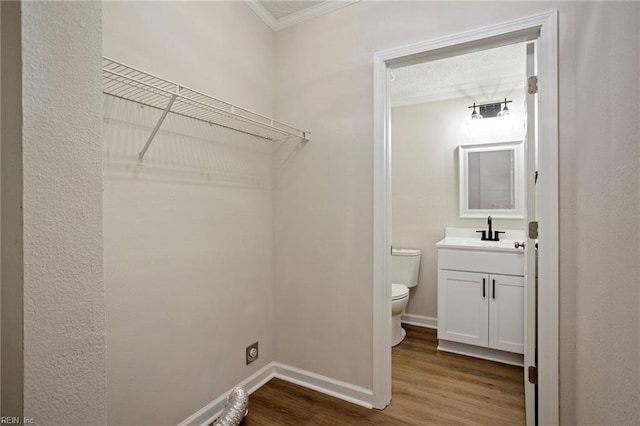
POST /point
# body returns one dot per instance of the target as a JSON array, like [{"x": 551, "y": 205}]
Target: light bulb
[{"x": 505, "y": 111}]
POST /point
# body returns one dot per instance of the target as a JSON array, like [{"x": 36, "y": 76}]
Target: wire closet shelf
[{"x": 125, "y": 82}]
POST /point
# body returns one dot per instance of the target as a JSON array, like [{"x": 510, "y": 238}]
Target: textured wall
[
  {"x": 64, "y": 330},
  {"x": 425, "y": 140},
  {"x": 323, "y": 206},
  {"x": 188, "y": 236},
  {"x": 607, "y": 225}
]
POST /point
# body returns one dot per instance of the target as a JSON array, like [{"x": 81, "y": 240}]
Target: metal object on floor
[{"x": 237, "y": 407}]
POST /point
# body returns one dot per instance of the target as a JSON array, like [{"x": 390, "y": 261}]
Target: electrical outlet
[{"x": 252, "y": 353}]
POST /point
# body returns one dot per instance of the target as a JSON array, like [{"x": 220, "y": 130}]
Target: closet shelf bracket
[
  {"x": 157, "y": 126},
  {"x": 125, "y": 82}
]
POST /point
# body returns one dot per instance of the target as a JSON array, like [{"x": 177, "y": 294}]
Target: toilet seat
[{"x": 399, "y": 291}]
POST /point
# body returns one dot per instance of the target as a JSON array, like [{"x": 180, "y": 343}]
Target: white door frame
[
  {"x": 544, "y": 28},
  {"x": 530, "y": 322}
]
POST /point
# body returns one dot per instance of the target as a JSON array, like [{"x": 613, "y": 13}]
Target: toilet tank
[{"x": 405, "y": 266}]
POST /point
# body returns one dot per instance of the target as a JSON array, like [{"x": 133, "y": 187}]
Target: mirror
[{"x": 492, "y": 180}]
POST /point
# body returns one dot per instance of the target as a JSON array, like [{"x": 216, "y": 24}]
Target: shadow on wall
[
  {"x": 284, "y": 151},
  {"x": 187, "y": 151}
]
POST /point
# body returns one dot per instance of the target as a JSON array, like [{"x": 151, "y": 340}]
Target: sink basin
[{"x": 463, "y": 238}]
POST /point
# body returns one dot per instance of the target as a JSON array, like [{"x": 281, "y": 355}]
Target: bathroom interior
[
  {"x": 434, "y": 131},
  {"x": 458, "y": 202}
]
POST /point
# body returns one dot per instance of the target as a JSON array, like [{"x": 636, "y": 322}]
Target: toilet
[{"x": 405, "y": 266}]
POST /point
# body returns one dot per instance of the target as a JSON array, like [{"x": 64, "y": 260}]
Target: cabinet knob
[{"x": 518, "y": 244}]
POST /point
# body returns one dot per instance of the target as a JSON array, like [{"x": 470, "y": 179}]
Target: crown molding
[
  {"x": 295, "y": 18},
  {"x": 262, "y": 13}
]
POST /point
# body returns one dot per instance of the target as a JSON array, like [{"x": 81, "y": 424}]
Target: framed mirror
[{"x": 492, "y": 180}]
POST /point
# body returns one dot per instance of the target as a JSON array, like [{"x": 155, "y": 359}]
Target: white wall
[
  {"x": 324, "y": 202},
  {"x": 188, "y": 236},
  {"x": 64, "y": 325},
  {"x": 220, "y": 48},
  {"x": 425, "y": 141},
  {"x": 605, "y": 166}
]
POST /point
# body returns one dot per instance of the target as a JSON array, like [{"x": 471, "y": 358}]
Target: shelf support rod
[{"x": 156, "y": 128}]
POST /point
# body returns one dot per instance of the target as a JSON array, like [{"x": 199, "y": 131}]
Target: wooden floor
[{"x": 429, "y": 388}]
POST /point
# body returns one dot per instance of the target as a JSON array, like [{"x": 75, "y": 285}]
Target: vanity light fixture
[
  {"x": 505, "y": 111},
  {"x": 490, "y": 110},
  {"x": 474, "y": 114}
]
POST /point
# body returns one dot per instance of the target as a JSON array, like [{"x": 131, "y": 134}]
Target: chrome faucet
[{"x": 490, "y": 235}]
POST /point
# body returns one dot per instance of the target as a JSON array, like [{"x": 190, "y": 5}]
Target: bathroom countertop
[
  {"x": 469, "y": 239},
  {"x": 477, "y": 244}
]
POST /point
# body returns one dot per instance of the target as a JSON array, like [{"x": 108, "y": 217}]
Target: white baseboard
[
  {"x": 481, "y": 352},
  {"x": 207, "y": 414},
  {"x": 419, "y": 320},
  {"x": 336, "y": 388}
]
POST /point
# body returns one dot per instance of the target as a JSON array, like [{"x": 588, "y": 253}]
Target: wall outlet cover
[{"x": 252, "y": 353}]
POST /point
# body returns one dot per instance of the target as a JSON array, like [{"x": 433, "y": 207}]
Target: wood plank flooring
[{"x": 429, "y": 388}]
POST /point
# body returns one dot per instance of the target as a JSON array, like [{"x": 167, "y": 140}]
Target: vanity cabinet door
[
  {"x": 463, "y": 311},
  {"x": 506, "y": 313}
]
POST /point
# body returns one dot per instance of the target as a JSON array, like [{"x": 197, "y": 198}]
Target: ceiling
[
  {"x": 280, "y": 9},
  {"x": 478, "y": 76},
  {"x": 282, "y": 14}
]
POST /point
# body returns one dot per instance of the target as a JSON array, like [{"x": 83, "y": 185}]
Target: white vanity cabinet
[
  {"x": 506, "y": 313},
  {"x": 481, "y": 300},
  {"x": 481, "y": 309}
]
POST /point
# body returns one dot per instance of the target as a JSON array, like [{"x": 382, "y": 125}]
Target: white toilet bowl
[
  {"x": 405, "y": 268},
  {"x": 399, "y": 300}
]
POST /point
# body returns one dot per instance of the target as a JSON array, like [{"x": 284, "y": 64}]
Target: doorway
[{"x": 542, "y": 29}]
